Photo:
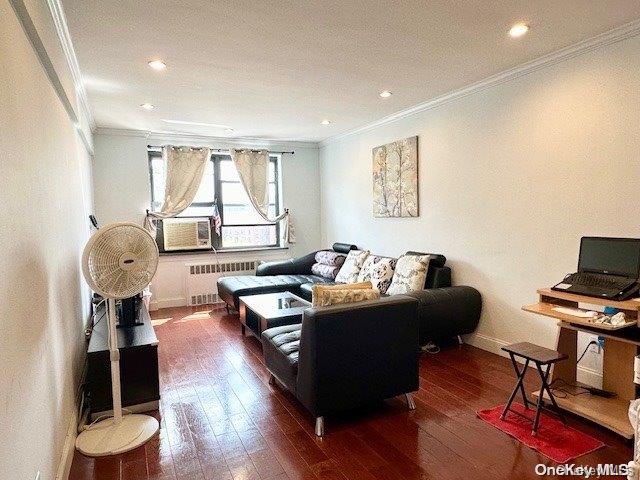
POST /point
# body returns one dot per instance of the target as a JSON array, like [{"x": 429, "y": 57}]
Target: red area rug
[{"x": 554, "y": 440}]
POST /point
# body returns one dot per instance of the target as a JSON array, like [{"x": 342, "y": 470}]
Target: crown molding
[
  {"x": 204, "y": 140},
  {"x": 615, "y": 35},
  {"x": 121, "y": 132},
  {"x": 62, "y": 30},
  {"x": 31, "y": 32}
]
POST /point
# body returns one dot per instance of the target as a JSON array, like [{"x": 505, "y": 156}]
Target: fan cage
[{"x": 120, "y": 260}]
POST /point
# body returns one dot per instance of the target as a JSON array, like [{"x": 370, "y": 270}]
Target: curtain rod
[{"x": 227, "y": 149}]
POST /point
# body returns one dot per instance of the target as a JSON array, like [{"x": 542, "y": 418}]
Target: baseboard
[
  {"x": 167, "y": 303},
  {"x": 589, "y": 376},
  {"x": 494, "y": 345},
  {"x": 484, "y": 342},
  {"x": 68, "y": 449}
]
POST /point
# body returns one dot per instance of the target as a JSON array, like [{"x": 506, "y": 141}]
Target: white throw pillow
[
  {"x": 351, "y": 267},
  {"x": 379, "y": 271},
  {"x": 410, "y": 274}
]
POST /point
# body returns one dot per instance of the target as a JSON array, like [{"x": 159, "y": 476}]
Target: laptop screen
[{"x": 614, "y": 256}]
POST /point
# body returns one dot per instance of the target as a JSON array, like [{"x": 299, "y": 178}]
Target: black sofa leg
[
  {"x": 319, "y": 426},
  {"x": 410, "y": 403},
  {"x": 272, "y": 380}
]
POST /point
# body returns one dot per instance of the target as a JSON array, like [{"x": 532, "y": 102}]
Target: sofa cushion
[
  {"x": 306, "y": 289},
  {"x": 379, "y": 271},
  {"x": 352, "y": 265},
  {"x": 410, "y": 274},
  {"x": 232, "y": 287},
  {"x": 280, "y": 347}
]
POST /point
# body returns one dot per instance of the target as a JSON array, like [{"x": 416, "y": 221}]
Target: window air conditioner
[{"x": 186, "y": 234}]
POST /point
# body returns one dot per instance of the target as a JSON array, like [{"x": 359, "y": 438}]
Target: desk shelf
[
  {"x": 611, "y": 413},
  {"x": 547, "y": 309},
  {"x": 552, "y": 296}
]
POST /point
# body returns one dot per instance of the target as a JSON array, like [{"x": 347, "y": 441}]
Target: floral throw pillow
[
  {"x": 410, "y": 274},
  {"x": 334, "y": 259},
  {"x": 351, "y": 267},
  {"x": 379, "y": 271},
  {"x": 326, "y": 271}
]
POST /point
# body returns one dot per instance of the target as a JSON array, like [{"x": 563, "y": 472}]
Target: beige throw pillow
[
  {"x": 320, "y": 290},
  {"x": 329, "y": 297},
  {"x": 343, "y": 286},
  {"x": 410, "y": 274}
]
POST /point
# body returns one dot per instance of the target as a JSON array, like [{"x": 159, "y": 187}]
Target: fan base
[{"x": 107, "y": 438}]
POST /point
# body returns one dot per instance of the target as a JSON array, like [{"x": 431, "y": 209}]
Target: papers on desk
[{"x": 576, "y": 312}]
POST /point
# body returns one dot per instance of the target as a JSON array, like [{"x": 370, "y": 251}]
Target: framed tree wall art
[{"x": 395, "y": 179}]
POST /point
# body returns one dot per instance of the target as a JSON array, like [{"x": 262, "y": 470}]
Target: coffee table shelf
[{"x": 260, "y": 312}]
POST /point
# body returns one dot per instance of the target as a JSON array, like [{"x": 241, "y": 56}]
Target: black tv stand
[{"x": 139, "y": 377}]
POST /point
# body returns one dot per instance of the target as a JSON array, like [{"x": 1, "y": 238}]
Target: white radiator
[{"x": 200, "y": 285}]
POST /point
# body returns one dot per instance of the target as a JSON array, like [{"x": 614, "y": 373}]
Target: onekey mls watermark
[{"x": 584, "y": 471}]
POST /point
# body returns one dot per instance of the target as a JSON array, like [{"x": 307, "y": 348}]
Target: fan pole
[{"x": 114, "y": 355}]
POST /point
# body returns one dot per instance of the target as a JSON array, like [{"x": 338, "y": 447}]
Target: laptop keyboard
[{"x": 595, "y": 280}]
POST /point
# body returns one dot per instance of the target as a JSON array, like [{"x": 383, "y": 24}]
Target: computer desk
[{"x": 621, "y": 347}]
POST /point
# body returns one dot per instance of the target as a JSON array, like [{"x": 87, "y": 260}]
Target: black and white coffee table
[{"x": 260, "y": 312}]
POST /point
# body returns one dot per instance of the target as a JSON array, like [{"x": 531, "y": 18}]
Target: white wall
[
  {"x": 122, "y": 193},
  {"x": 45, "y": 193},
  {"x": 509, "y": 180}
]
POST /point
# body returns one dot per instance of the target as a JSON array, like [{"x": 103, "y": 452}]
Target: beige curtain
[
  {"x": 253, "y": 170},
  {"x": 184, "y": 167}
]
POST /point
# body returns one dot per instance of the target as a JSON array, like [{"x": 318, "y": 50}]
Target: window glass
[
  {"x": 197, "y": 211},
  {"x": 235, "y": 237},
  {"x": 272, "y": 171},
  {"x": 234, "y": 194},
  {"x": 242, "y": 215},
  {"x": 206, "y": 191},
  {"x": 158, "y": 176},
  {"x": 228, "y": 171}
]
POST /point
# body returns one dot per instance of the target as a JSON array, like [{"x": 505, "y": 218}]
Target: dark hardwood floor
[{"x": 220, "y": 419}]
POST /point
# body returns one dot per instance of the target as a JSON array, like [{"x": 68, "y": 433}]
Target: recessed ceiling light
[
  {"x": 148, "y": 106},
  {"x": 519, "y": 29},
  {"x": 157, "y": 64},
  {"x": 325, "y": 122},
  {"x": 198, "y": 124},
  {"x": 385, "y": 94}
]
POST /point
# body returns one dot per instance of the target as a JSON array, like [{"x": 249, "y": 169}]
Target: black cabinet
[{"x": 138, "y": 366}]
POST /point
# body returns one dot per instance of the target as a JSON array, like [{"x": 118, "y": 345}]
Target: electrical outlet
[{"x": 597, "y": 347}]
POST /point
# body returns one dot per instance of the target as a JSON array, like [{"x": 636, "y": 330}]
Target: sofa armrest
[
  {"x": 294, "y": 266},
  {"x": 357, "y": 353},
  {"x": 447, "y": 312}
]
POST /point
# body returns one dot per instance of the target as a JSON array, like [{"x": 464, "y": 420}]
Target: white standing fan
[{"x": 118, "y": 262}]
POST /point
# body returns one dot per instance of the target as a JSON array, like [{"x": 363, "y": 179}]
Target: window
[{"x": 242, "y": 226}]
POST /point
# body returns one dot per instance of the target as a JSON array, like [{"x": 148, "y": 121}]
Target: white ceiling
[{"x": 275, "y": 69}]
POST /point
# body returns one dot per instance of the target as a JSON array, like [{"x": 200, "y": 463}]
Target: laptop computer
[{"x": 607, "y": 268}]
